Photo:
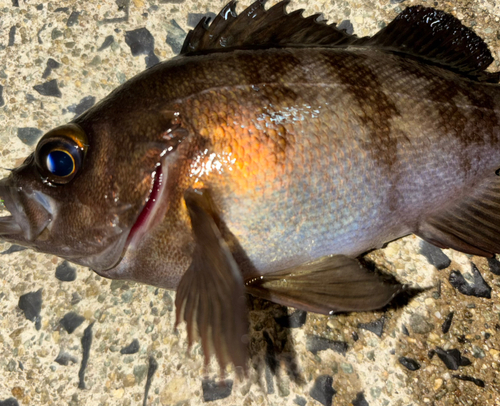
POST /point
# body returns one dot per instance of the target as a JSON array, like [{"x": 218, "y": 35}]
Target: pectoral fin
[
  {"x": 330, "y": 285},
  {"x": 211, "y": 294}
]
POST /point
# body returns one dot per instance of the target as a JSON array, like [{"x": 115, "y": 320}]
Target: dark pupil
[{"x": 60, "y": 163}]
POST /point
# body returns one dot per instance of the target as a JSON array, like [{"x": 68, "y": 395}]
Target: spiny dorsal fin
[
  {"x": 431, "y": 35},
  {"x": 260, "y": 28},
  {"x": 438, "y": 38}
]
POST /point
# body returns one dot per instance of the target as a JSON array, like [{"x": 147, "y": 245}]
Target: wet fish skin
[
  {"x": 392, "y": 140},
  {"x": 280, "y": 161}
]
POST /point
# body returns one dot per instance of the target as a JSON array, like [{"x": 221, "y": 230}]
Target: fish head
[{"x": 81, "y": 192}]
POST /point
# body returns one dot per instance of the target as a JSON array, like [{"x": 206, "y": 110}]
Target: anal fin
[
  {"x": 211, "y": 294},
  {"x": 470, "y": 224},
  {"x": 332, "y": 284}
]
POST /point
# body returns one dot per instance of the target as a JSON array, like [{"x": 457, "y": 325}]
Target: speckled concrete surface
[{"x": 398, "y": 357}]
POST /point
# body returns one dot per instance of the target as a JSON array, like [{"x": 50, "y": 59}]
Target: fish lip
[
  {"x": 11, "y": 227},
  {"x": 18, "y": 226},
  {"x": 153, "y": 210}
]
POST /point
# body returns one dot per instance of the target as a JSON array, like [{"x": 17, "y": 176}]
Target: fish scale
[{"x": 258, "y": 184}]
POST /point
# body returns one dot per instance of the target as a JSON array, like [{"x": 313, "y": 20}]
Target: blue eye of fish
[
  {"x": 60, "y": 163},
  {"x": 60, "y": 153}
]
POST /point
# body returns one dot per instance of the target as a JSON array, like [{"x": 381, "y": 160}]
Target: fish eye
[{"x": 59, "y": 154}]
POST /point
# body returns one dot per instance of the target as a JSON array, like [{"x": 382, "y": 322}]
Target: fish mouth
[
  {"x": 18, "y": 226},
  {"x": 154, "y": 209},
  {"x": 31, "y": 223},
  {"x": 8, "y": 223}
]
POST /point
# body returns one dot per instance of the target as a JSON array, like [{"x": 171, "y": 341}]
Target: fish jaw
[
  {"x": 24, "y": 226},
  {"x": 35, "y": 218}
]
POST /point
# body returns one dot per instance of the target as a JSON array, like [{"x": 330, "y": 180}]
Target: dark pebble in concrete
[
  {"x": 64, "y": 359},
  {"x": 175, "y": 36},
  {"x": 51, "y": 64},
  {"x": 447, "y": 323},
  {"x": 494, "y": 265},
  {"x": 355, "y": 336},
  {"x": 13, "y": 248},
  {"x": 83, "y": 105},
  {"x": 360, "y": 400},
  {"x": 107, "y": 42},
  {"x": 15, "y": 3},
  {"x": 86, "y": 344},
  {"x": 376, "y": 326},
  {"x": 419, "y": 324},
  {"x": 409, "y": 363},
  {"x": 478, "y": 382},
  {"x": 194, "y": 18},
  {"x": 62, "y": 10},
  {"x": 295, "y": 320},
  {"x": 213, "y": 390},
  {"x": 9, "y": 402},
  {"x": 49, "y": 88},
  {"x": 299, "y": 400},
  {"x": 2, "y": 101},
  {"x": 151, "y": 60},
  {"x": 405, "y": 330},
  {"x": 71, "y": 321},
  {"x": 452, "y": 358},
  {"x": 479, "y": 289},
  {"x": 31, "y": 305},
  {"x": 12, "y": 36},
  {"x": 39, "y": 32},
  {"x": 29, "y": 135},
  {"x": 39, "y": 7},
  {"x": 73, "y": 19},
  {"x": 347, "y": 26},
  {"x": 152, "y": 367},
  {"x": 75, "y": 298},
  {"x": 132, "y": 348},
  {"x": 434, "y": 255},
  {"x": 322, "y": 390},
  {"x": 175, "y": 42},
  {"x": 140, "y": 41},
  {"x": 315, "y": 344},
  {"x": 55, "y": 33},
  {"x": 65, "y": 272}
]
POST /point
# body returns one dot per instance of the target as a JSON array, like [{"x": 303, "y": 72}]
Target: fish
[{"x": 266, "y": 159}]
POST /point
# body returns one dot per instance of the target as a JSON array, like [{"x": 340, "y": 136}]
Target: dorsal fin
[
  {"x": 257, "y": 27},
  {"x": 438, "y": 38},
  {"x": 430, "y": 35}
]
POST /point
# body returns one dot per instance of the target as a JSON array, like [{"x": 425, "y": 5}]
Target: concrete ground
[{"x": 84, "y": 340}]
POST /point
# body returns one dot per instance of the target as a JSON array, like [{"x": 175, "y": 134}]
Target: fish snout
[{"x": 31, "y": 212}]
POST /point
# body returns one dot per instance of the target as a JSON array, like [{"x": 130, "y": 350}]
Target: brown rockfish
[{"x": 265, "y": 158}]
